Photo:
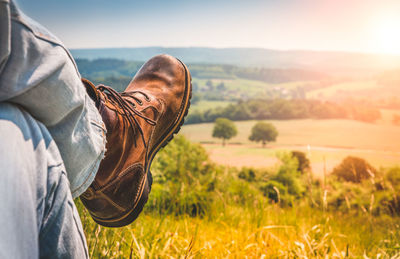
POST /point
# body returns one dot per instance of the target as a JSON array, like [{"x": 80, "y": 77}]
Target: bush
[
  {"x": 289, "y": 176},
  {"x": 274, "y": 190},
  {"x": 303, "y": 162},
  {"x": 393, "y": 177},
  {"x": 241, "y": 192},
  {"x": 248, "y": 174},
  {"x": 354, "y": 169},
  {"x": 184, "y": 179}
]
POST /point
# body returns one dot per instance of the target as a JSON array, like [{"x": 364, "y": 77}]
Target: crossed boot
[{"x": 139, "y": 122}]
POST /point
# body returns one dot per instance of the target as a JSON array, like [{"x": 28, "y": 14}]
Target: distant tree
[
  {"x": 196, "y": 97},
  {"x": 304, "y": 162},
  {"x": 221, "y": 87},
  {"x": 225, "y": 129},
  {"x": 354, "y": 169},
  {"x": 366, "y": 114},
  {"x": 210, "y": 85},
  {"x": 263, "y": 132}
]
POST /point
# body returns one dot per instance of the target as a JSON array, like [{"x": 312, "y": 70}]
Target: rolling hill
[{"x": 337, "y": 63}]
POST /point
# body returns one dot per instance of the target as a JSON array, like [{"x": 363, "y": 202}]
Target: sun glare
[{"x": 387, "y": 35}]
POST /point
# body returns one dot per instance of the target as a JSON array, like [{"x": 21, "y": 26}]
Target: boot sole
[{"x": 133, "y": 213}]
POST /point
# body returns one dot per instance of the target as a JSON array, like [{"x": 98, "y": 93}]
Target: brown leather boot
[{"x": 139, "y": 122}]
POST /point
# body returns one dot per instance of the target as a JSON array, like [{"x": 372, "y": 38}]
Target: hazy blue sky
[{"x": 351, "y": 25}]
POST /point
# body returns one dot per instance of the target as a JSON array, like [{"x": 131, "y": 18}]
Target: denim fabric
[
  {"x": 39, "y": 74},
  {"x": 52, "y": 140},
  {"x": 38, "y": 218}
]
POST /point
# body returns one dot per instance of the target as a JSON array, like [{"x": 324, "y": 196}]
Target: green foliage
[
  {"x": 248, "y": 174},
  {"x": 264, "y": 132},
  {"x": 376, "y": 196},
  {"x": 275, "y": 191},
  {"x": 393, "y": 177},
  {"x": 281, "y": 109},
  {"x": 184, "y": 179},
  {"x": 224, "y": 129},
  {"x": 269, "y": 75},
  {"x": 196, "y": 97},
  {"x": 241, "y": 192},
  {"x": 209, "y": 84},
  {"x": 289, "y": 176},
  {"x": 303, "y": 161},
  {"x": 354, "y": 169}
]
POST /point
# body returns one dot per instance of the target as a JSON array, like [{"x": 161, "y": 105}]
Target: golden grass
[{"x": 240, "y": 232}]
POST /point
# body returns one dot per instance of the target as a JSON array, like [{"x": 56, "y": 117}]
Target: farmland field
[
  {"x": 250, "y": 88},
  {"x": 205, "y": 105},
  {"x": 342, "y": 87},
  {"x": 326, "y": 143}
]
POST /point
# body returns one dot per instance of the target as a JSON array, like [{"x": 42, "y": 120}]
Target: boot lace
[{"x": 128, "y": 107}]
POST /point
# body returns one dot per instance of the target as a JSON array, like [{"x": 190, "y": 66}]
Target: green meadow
[{"x": 199, "y": 209}]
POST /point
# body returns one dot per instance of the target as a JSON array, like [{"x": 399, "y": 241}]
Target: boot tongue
[{"x": 91, "y": 90}]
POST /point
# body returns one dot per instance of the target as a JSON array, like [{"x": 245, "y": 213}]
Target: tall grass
[
  {"x": 200, "y": 210},
  {"x": 259, "y": 231}
]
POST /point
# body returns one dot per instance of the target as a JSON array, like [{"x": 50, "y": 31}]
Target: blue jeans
[{"x": 52, "y": 140}]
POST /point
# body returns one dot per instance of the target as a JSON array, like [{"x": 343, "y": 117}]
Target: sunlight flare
[{"x": 387, "y": 34}]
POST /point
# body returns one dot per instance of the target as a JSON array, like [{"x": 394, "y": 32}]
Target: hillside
[{"x": 338, "y": 63}]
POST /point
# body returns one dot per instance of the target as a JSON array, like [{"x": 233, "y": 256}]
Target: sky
[{"x": 337, "y": 25}]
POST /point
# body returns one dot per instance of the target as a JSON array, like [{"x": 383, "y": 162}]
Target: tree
[
  {"x": 304, "y": 163},
  {"x": 221, "y": 87},
  {"x": 209, "y": 84},
  {"x": 263, "y": 132},
  {"x": 354, "y": 169},
  {"x": 225, "y": 129}
]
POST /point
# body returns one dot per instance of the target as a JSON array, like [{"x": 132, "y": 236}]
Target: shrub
[
  {"x": 274, "y": 190},
  {"x": 289, "y": 176},
  {"x": 248, "y": 174},
  {"x": 393, "y": 177},
  {"x": 303, "y": 162},
  {"x": 241, "y": 192},
  {"x": 354, "y": 169},
  {"x": 184, "y": 179}
]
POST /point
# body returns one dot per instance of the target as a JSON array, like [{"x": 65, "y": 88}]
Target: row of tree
[
  {"x": 282, "y": 109},
  {"x": 262, "y": 132}
]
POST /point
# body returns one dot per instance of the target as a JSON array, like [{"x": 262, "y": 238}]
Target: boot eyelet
[
  {"x": 140, "y": 102},
  {"x": 147, "y": 98}
]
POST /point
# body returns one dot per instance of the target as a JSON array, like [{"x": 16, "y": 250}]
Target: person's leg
[
  {"x": 38, "y": 217},
  {"x": 38, "y": 73}
]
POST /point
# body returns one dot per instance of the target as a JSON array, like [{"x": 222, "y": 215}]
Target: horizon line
[{"x": 259, "y": 48}]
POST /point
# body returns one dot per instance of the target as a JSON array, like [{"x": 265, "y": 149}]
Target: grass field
[
  {"x": 342, "y": 87},
  {"x": 252, "y": 88},
  {"x": 259, "y": 231},
  {"x": 326, "y": 143},
  {"x": 257, "y": 228},
  {"x": 205, "y": 105}
]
